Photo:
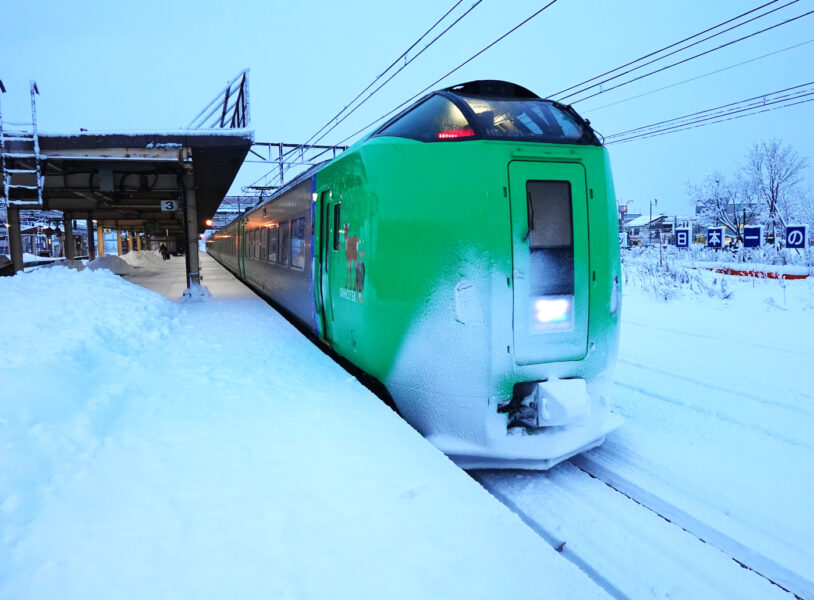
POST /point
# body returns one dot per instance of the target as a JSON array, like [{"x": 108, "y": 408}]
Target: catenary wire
[
  {"x": 708, "y": 110},
  {"x": 680, "y": 62},
  {"x": 401, "y": 57},
  {"x": 667, "y": 87},
  {"x": 467, "y": 61},
  {"x": 470, "y": 9},
  {"x": 708, "y": 116},
  {"x": 720, "y": 120},
  {"x": 646, "y": 56}
]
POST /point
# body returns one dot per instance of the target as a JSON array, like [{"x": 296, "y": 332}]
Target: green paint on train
[{"x": 466, "y": 256}]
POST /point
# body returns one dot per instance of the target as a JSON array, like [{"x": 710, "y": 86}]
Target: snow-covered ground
[
  {"x": 159, "y": 449},
  {"x": 156, "y": 448},
  {"x": 716, "y": 387}
]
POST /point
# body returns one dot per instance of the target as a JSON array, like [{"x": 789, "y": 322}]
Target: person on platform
[{"x": 165, "y": 253}]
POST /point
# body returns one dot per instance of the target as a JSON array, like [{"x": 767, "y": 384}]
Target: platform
[{"x": 206, "y": 449}]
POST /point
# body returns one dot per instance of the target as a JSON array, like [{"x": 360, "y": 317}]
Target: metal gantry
[
  {"x": 229, "y": 109},
  {"x": 285, "y": 157}
]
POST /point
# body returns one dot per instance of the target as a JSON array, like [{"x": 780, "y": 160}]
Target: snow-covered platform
[{"x": 155, "y": 448}]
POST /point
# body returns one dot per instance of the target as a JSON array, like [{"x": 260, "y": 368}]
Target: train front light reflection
[{"x": 552, "y": 313}]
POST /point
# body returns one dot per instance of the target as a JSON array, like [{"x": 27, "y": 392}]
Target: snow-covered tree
[
  {"x": 773, "y": 173},
  {"x": 727, "y": 202}
]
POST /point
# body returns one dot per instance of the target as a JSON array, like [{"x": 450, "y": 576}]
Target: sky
[{"x": 153, "y": 65}]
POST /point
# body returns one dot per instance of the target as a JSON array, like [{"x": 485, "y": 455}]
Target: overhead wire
[
  {"x": 788, "y": 97},
  {"x": 558, "y": 95},
  {"x": 719, "y": 120},
  {"x": 672, "y": 85},
  {"x": 685, "y": 60},
  {"x": 455, "y": 22},
  {"x": 460, "y": 66},
  {"x": 332, "y": 123}
]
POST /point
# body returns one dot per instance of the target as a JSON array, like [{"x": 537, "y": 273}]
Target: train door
[
  {"x": 329, "y": 236},
  {"x": 549, "y": 212},
  {"x": 322, "y": 275},
  {"x": 241, "y": 252}
]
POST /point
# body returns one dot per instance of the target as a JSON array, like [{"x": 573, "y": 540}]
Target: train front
[{"x": 513, "y": 269}]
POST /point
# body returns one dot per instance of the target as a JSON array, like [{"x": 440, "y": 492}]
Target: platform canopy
[
  {"x": 121, "y": 179},
  {"x": 166, "y": 184}
]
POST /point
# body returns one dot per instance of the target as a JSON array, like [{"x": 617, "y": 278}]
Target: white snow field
[
  {"x": 718, "y": 400},
  {"x": 160, "y": 449}
]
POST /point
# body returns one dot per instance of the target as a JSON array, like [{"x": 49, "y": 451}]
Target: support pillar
[
  {"x": 138, "y": 241},
  {"x": 191, "y": 231},
  {"x": 100, "y": 238},
  {"x": 15, "y": 238},
  {"x": 68, "y": 244},
  {"x": 118, "y": 241},
  {"x": 91, "y": 245}
]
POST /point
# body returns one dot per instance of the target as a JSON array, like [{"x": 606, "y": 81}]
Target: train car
[{"x": 465, "y": 255}]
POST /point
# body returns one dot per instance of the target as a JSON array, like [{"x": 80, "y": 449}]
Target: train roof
[{"x": 489, "y": 109}]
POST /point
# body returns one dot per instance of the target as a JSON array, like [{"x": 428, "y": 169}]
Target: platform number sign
[
  {"x": 682, "y": 237},
  {"x": 715, "y": 237},
  {"x": 169, "y": 205},
  {"x": 796, "y": 236},
  {"x": 752, "y": 236}
]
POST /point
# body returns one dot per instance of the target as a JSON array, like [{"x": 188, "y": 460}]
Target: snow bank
[
  {"x": 145, "y": 258},
  {"x": 112, "y": 263},
  {"x": 207, "y": 450}
]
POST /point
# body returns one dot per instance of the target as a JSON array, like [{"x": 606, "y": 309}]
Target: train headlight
[{"x": 552, "y": 313}]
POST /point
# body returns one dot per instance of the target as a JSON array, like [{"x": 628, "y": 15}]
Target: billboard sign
[
  {"x": 682, "y": 237},
  {"x": 752, "y": 236},
  {"x": 715, "y": 237},
  {"x": 796, "y": 236}
]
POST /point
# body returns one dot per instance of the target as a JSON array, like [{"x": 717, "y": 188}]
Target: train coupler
[{"x": 550, "y": 403}]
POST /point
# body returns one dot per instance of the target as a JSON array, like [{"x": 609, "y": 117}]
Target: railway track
[{"x": 623, "y": 541}]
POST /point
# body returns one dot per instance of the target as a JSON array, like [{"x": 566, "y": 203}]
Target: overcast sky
[{"x": 152, "y": 64}]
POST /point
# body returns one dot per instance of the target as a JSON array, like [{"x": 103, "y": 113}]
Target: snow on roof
[{"x": 644, "y": 220}]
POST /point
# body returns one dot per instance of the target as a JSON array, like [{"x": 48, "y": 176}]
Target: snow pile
[
  {"x": 145, "y": 258},
  {"x": 76, "y": 265},
  {"x": 113, "y": 263},
  {"x": 668, "y": 279},
  {"x": 207, "y": 450}
]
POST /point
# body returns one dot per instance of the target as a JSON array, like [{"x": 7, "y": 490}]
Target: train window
[
  {"x": 549, "y": 206},
  {"x": 527, "y": 119},
  {"x": 285, "y": 243},
  {"x": 336, "y": 226},
  {"x": 435, "y": 119},
  {"x": 250, "y": 240},
  {"x": 550, "y": 237},
  {"x": 264, "y": 243},
  {"x": 274, "y": 242},
  {"x": 298, "y": 243}
]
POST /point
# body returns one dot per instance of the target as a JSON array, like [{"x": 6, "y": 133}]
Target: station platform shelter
[{"x": 158, "y": 187}]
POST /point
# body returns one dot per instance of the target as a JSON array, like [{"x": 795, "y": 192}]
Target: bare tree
[
  {"x": 726, "y": 202},
  {"x": 773, "y": 173}
]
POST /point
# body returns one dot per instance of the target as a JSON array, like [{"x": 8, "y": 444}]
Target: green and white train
[{"x": 465, "y": 255}]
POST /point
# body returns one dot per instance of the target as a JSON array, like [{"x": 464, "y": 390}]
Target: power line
[
  {"x": 670, "y": 66},
  {"x": 686, "y": 39},
  {"x": 720, "y": 113},
  {"x": 667, "y": 87},
  {"x": 455, "y": 22},
  {"x": 467, "y": 61},
  {"x": 720, "y": 120},
  {"x": 762, "y": 97},
  {"x": 336, "y": 120}
]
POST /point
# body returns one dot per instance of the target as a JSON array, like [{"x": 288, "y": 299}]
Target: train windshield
[
  {"x": 532, "y": 120},
  {"x": 435, "y": 119}
]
